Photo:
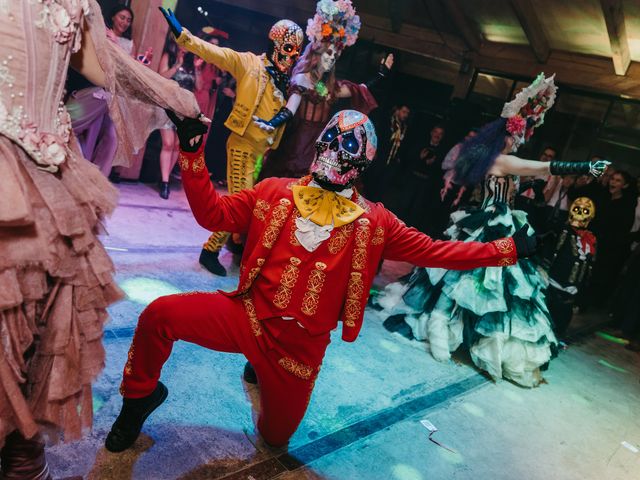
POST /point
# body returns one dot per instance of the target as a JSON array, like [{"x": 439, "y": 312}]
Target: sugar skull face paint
[
  {"x": 328, "y": 60},
  {"x": 344, "y": 149},
  {"x": 287, "y": 38}
]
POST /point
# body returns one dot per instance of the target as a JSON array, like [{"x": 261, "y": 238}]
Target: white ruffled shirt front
[{"x": 311, "y": 235}]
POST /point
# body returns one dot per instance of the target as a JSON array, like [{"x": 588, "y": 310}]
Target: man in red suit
[{"x": 313, "y": 247}]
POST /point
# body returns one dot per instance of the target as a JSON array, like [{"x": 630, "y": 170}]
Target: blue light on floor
[
  {"x": 473, "y": 409},
  {"x": 389, "y": 346},
  {"x": 405, "y": 472},
  {"x": 144, "y": 290}
]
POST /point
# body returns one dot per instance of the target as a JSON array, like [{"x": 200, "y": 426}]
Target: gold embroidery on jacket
[
  {"x": 353, "y": 305},
  {"x": 293, "y": 240},
  {"x": 363, "y": 232},
  {"x": 196, "y": 166},
  {"x": 250, "y": 308},
  {"x": 503, "y": 245},
  {"x": 278, "y": 217},
  {"x": 378, "y": 236},
  {"x": 300, "y": 370},
  {"x": 253, "y": 273},
  {"x": 287, "y": 282},
  {"x": 261, "y": 209},
  {"x": 340, "y": 237},
  {"x": 311, "y": 298}
]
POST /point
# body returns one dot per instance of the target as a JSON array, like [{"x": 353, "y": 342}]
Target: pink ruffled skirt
[{"x": 55, "y": 284}]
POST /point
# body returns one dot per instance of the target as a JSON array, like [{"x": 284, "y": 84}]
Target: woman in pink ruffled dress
[{"x": 55, "y": 276}]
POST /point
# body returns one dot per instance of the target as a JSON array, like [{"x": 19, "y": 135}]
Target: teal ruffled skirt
[{"x": 498, "y": 312}]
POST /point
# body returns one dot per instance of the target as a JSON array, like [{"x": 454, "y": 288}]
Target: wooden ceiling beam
[
  {"x": 467, "y": 30},
  {"x": 579, "y": 70},
  {"x": 614, "y": 18},
  {"x": 528, "y": 18}
]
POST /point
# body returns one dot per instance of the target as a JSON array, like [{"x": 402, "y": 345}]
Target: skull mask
[
  {"x": 581, "y": 213},
  {"x": 344, "y": 149},
  {"x": 287, "y": 38}
]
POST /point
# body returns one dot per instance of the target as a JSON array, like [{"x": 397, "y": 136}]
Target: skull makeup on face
[
  {"x": 287, "y": 38},
  {"x": 344, "y": 149},
  {"x": 582, "y": 212},
  {"x": 327, "y": 60}
]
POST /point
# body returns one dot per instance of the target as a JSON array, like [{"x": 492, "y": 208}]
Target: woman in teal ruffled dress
[{"x": 499, "y": 313}]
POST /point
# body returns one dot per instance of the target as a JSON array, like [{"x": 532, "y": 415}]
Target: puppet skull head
[
  {"x": 582, "y": 212},
  {"x": 344, "y": 149},
  {"x": 287, "y": 38}
]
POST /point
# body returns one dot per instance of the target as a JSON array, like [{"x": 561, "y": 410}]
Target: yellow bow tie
[{"x": 323, "y": 207}]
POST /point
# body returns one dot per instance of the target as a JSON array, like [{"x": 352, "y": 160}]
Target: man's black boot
[
  {"x": 209, "y": 260},
  {"x": 126, "y": 428}
]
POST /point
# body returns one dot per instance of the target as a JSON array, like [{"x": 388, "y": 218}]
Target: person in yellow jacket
[{"x": 262, "y": 83}]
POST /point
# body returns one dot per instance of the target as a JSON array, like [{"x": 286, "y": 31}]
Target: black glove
[
  {"x": 526, "y": 245},
  {"x": 596, "y": 169},
  {"x": 187, "y": 129},
  {"x": 383, "y": 73},
  {"x": 283, "y": 116}
]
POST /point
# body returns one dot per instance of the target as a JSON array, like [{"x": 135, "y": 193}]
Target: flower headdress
[
  {"x": 335, "y": 22},
  {"x": 526, "y": 112}
]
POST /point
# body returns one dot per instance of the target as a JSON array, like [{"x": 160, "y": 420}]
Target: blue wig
[{"x": 478, "y": 153}]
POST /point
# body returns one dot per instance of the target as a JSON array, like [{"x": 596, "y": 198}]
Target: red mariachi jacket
[{"x": 278, "y": 277}]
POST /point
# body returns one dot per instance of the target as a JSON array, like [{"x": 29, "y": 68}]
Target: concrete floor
[{"x": 364, "y": 418}]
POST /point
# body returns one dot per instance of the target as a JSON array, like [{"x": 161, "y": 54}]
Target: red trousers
[{"x": 285, "y": 357}]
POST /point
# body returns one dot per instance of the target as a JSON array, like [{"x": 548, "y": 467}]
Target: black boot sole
[{"x": 119, "y": 439}]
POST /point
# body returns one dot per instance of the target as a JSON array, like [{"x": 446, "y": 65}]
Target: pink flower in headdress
[
  {"x": 516, "y": 125},
  {"x": 335, "y": 22}
]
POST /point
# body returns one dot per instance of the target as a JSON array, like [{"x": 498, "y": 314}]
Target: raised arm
[
  {"x": 409, "y": 245},
  {"x": 231, "y": 213},
  {"x": 223, "y": 58},
  {"x": 375, "y": 84}
]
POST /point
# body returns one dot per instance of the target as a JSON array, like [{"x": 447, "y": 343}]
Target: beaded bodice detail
[
  {"x": 32, "y": 73},
  {"x": 500, "y": 189}
]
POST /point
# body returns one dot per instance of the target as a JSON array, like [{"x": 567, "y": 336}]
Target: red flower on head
[{"x": 516, "y": 125}]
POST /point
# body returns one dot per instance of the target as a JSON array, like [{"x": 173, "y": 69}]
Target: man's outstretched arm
[{"x": 409, "y": 245}]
